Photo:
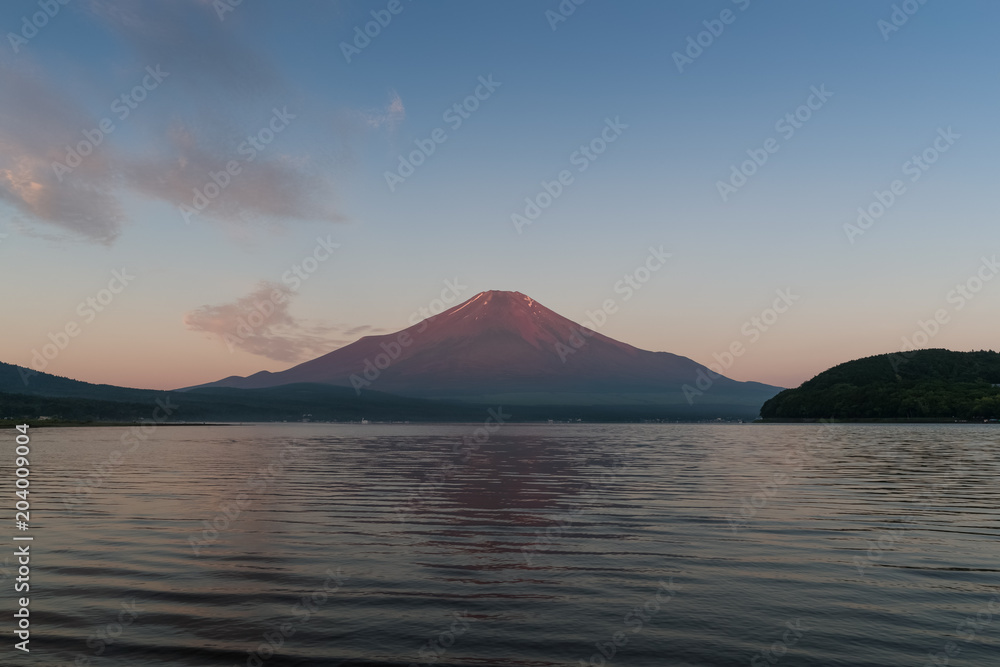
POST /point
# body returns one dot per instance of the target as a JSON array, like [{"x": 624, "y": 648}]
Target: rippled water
[{"x": 398, "y": 544}]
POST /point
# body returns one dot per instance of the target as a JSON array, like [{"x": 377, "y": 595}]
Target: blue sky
[{"x": 324, "y": 176}]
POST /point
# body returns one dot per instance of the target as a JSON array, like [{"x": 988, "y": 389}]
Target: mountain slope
[
  {"x": 507, "y": 344},
  {"x": 19, "y": 380},
  {"x": 65, "y": 399},
  {"x": 55, "y": 396}
]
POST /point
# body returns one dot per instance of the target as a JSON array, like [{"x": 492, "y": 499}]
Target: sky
[{"x": 196, "y": 189}]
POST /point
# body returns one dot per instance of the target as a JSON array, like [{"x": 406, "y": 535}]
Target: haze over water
[{"x": 868, "y": 545}]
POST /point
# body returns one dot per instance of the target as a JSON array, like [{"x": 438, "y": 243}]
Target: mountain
[
  {"x": 27, "y": 394},
  {"x": 19, "y": 380},
  {"x": 930, "y": 384},
  {"x": 505, "y": 346},
  {"x": 64, "y": 400}
]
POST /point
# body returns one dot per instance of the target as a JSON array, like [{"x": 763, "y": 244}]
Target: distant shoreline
[
  {"x": 54, "y": 423},
  {"x": 916, "y": 420},
  {"x": 10, "y": 424}
]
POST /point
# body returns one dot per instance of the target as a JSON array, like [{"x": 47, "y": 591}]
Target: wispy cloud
[
  {"x": 260, "y": 323},
  {"x": 35, "y": 122},
  {"x": 218, "y": 93},
  {"x": 388, "y": 117},
  {"x": 186, "y": 38},
  {"x": 275, "y": 187}
]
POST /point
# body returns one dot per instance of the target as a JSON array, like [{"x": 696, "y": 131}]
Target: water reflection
[{"x": 880, "y": 539}]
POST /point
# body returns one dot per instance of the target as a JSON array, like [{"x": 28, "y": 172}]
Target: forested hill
[{"x": 923, "y": 384}]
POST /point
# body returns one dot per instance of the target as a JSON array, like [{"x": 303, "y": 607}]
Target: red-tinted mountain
[{"x": 505, "y": 343}]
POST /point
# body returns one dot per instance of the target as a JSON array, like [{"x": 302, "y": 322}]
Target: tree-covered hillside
[{"x": 923, "y": 384}]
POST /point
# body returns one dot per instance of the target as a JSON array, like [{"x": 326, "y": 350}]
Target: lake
[{"x": 654, "y": 544}]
